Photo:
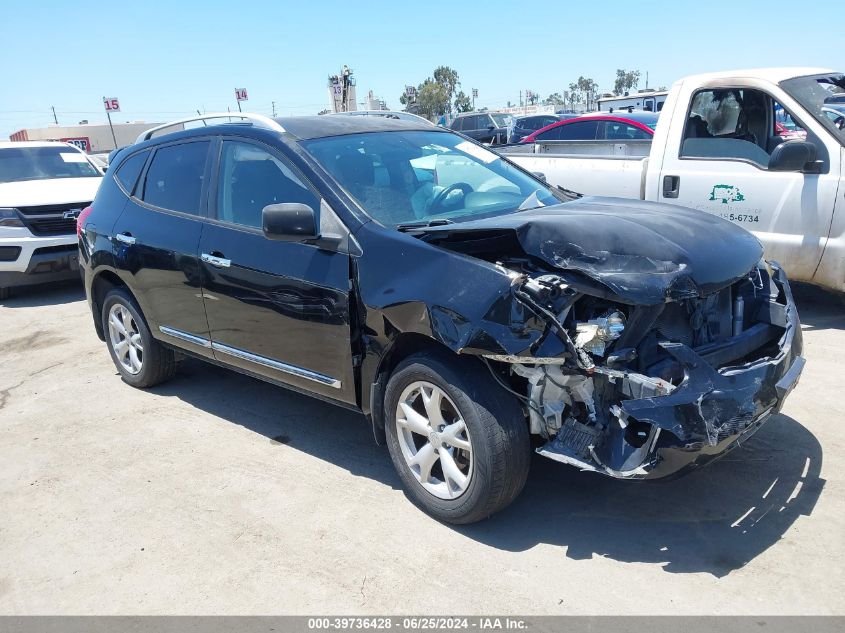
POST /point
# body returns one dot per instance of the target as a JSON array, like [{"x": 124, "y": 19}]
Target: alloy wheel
[
  {"x": 434, "y": 439},
  {"x": 125, "y": 339}
]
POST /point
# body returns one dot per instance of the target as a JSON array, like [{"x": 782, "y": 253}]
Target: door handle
[
  {"x": 126, "y": 238},
  {"x": 671, "y": 186},
  {"x": 214, "y": 260}
]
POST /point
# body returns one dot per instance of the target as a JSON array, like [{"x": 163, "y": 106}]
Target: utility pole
[
  {"x": 54, "y": 115},
  {"x": 646, "y": 80},
  {"x": 274, "y": 109}
]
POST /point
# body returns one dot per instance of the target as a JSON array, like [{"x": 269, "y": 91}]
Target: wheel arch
[
  {"x": 401, "y": 347},
  {"x": 104, "y": 282}
]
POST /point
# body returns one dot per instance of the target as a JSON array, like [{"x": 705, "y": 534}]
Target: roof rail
[{"x": 258, "y": 119}]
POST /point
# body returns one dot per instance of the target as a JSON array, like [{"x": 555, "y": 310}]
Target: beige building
[{"x": 91, "y": 137}]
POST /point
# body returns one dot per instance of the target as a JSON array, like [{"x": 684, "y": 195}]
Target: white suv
[{"x": 43, "y": 188}]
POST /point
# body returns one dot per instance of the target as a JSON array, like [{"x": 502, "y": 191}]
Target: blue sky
[{"x": 166, "y": 59}]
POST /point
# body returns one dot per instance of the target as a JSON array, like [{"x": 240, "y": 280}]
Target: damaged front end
[
  {"x": 643, "y": 339},
  {"x": 650, "y": 391}
]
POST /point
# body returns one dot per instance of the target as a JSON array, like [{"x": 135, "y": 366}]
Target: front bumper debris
[{"x": 711, "y": 412}]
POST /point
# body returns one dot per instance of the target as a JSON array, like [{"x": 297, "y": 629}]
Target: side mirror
[
  {"x": 539, "y": 175},
  {"x": 491, "y": 127},
  {"x": 289, "y": 222},
  {"x": 792, "y": 156}
]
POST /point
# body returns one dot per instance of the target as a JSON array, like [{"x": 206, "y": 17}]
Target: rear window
[
  {"x": 175, "y": 177},
  {"x": 128, "y": 172},
  {"x": 44, "y": 163}
]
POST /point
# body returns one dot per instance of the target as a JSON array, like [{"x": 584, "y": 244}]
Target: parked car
[
  {"x": 458, "y": 302},
  {"x": 484, "y": 127},
  {"x": 389, "y": 114},
  {"x": 43, "y": 187},
  {"x": 525, "y": 125},
  {"x": 591, "y": 127},
  {"x": 717, "y": 130}
]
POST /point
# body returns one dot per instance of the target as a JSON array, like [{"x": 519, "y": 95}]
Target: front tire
[
  {"x": 458, "y": 440},
  {"x": 141, "y": 360}
]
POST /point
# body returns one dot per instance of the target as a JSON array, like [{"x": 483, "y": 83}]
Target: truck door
[{"x": 722, "y": 167}]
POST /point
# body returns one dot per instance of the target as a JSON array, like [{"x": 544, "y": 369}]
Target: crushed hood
[{"x": 643, "y": 252}]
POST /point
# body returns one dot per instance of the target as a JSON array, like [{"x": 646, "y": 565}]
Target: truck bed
[{"x": 606, "y": 168}]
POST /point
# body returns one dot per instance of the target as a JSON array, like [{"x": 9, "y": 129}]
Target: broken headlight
[{"x": 595, "y": 335}]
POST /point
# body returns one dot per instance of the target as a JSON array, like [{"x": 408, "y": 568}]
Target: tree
[
  {"x": 436, "y": 94},
  {"x": 553, "y": 99},
  {"x": 462, "y": 102},
  {"x": 625, "y": 80},
  {"x": 584, "y": 91}
]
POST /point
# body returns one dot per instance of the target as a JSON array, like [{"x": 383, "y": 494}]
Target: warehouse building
[{"x": 91, "y": 137}]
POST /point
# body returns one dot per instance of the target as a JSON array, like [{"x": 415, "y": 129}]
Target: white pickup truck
[
  {"x": 44, "y": 186},
  {"x": 754, "y": 147}
]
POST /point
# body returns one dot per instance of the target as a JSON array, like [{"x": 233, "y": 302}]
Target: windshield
[
  {"x": 816, "y": 93},
  {"x": 502, "y": 120},
  {"x": 43, "y": 163},
  {"x": 416, "y": 177}
]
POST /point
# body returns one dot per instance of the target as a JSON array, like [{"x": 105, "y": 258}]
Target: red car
[{"x": 634, "y": 125}]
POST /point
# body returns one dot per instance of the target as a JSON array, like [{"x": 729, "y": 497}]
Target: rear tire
[
  {"x": 459, "y": 441},
  {"x": 141, "y": 360}
]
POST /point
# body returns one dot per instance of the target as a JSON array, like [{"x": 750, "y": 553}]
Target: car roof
[
  {"x": 640, "y": 116},
  {"x": 296, "y": 128},
  {"x": 310, "y": 127},
  {"x": 775, "y": 75}
]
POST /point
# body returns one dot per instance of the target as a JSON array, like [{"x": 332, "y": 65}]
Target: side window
[
  {"x": 550, "y": 135},
  {"x": 457, "y": 123},
  {"x": 633, "y": 132},
  {"x": 128, "y": 172},
  {"x": 730, "y": 124},
  {"x": 660, "y": 106},
  {"x": 175, "y": 176},
  {"x": 250, "y": 179},
  {"x": 581, "y": 131}
]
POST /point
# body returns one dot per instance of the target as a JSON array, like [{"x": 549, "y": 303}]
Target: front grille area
[
  {"x": 50, "y": 219},
  {"x": 64, "y": 249}
]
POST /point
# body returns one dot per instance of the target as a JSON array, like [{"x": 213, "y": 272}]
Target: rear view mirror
[
  {"x": 792, "y": 156},
  {"x": 289, "y": 222}
]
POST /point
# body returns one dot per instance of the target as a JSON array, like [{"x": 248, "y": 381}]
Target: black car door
[
  {"x": 156, "y": 240},
  {"x": 278, "y": 309}
]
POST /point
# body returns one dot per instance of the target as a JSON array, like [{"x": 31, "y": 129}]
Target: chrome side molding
[
  {"x": 184, "y": 336},
  {"x": 291, "y": 370}
]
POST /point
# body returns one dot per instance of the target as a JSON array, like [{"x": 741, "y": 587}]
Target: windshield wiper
[{"x": 423, "y": 224}]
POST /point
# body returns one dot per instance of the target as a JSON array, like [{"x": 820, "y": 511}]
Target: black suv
[
  {"x": 466, "y": 308},
  {"x": 484, "y": 127}
]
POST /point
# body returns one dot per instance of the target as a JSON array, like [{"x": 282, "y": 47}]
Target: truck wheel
[
  {"x": 140, "y": 359},
  {"x": 457, "y": 439}
]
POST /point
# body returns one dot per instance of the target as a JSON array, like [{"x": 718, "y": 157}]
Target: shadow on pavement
[
  {"x": 713, "y": 521},
  {"x": 819, "y": 309},
  {"x": 50, "y": 294}
]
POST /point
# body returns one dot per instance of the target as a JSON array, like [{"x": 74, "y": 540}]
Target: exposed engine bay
[{"x": 619, "y": 355}]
